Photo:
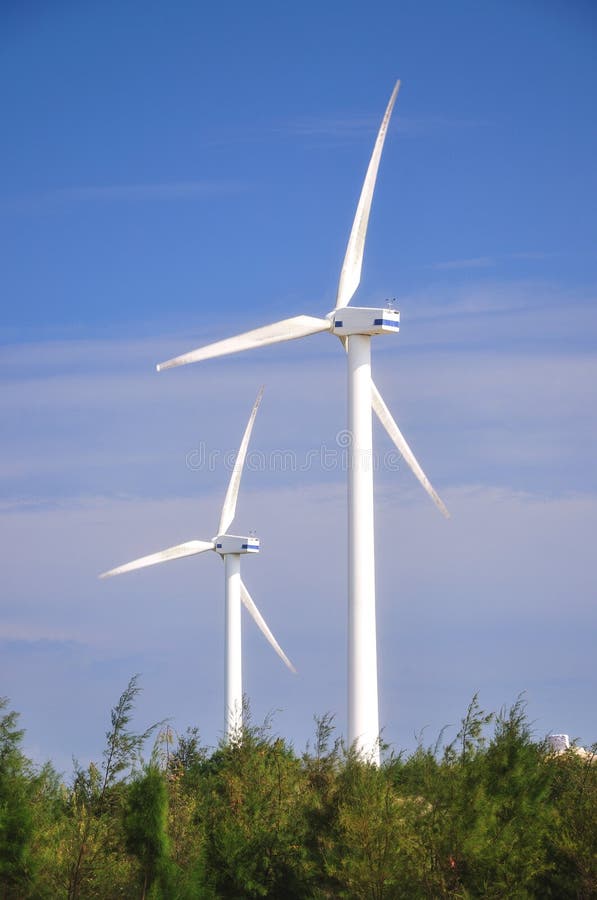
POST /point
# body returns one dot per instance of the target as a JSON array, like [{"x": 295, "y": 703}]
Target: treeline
[{"x": 492, "y": 814}]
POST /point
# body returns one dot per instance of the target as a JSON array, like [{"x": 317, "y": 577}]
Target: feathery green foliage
[
  {"x": 145, "y": 827},
  {"x": 16, "y": 820},
  {"x": 493, "y": 814}
]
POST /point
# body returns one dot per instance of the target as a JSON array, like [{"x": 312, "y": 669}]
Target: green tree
[
  {"x": 493, "y": 815},
  {"x": 145, "y": 828},
  {"x": 378, "y": 853},
  {"x": 188, "y": 770},
  {"x": 254, "y": 821},
  {"x": 491, "y": 798},
  {"x": 515, "y": 815},
  {"x": 96, "y": 802},
  {"x": 320, "y": 800},
  {"x": 16, "y": 824},
  {"x": 573, "y": 842}
]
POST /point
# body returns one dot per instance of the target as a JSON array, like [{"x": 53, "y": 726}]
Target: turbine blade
[
  {"x": 229, "y": 507},
  {"x": 350, "y": 275},
  {"x": 260, "y": 621},
  {"x": 286, "y": 330},
  {"x": 188, "y": 549},
  {"x": 385, "y": 417}
]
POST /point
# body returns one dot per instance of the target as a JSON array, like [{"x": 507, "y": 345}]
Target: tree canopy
[{"x": 493, "y": 814}]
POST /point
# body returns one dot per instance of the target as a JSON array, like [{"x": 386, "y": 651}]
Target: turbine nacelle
[
  {"x": 364, "y": 320},
  {"x": 234, "y": 543}
]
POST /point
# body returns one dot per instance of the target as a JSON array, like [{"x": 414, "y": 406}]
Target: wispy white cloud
[
  {"x": 530, "y": 255},
  {"x": 485, "y": 262},
  {"x": 77, "y": 418},
  {"x": 165, "y": 190},
  {"x": 112, "y": 193},
  {"x": 511, "y": 568},
  {"x": 531, "y": 315},
  {"x": 475, "y": 262},
  {"x": 341, "y": 128},
  {"x": 32, "y": 633},
  {"x": 94, "y": 460},
  {"x": 346, "y": 128}
]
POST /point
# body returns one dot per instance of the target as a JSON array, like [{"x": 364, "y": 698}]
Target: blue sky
[{"x": 176, "y": 173}]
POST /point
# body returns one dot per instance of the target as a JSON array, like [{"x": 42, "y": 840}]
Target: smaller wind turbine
[{"x": 230, "y": 547}]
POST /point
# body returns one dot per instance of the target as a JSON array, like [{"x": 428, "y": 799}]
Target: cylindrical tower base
[
  {"x": 233, "y": 713},
  {"x": 363, "y": 715}
]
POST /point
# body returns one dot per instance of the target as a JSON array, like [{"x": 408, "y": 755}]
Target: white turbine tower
[
  {"x": 230, "y": 547},
  {"x": 355, "y": 327}
]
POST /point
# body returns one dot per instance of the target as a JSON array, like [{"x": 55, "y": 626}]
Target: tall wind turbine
[
  {"x": 354, "y": 326},
  {"x": 230, "y": 547}
]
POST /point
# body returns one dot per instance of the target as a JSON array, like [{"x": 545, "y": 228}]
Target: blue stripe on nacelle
[{"x": 390, "y": 322}]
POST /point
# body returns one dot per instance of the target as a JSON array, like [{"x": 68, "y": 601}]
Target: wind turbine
[
  {"x": 354, "y": 326},
  {"x": 230, "y": 547}
]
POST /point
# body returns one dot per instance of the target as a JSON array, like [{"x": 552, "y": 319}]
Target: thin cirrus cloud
[
  {"x": 487, "y": 262},
  {"x": 102, "y": 446},
  {"x": 85, "y": 427},
  {"x": 506, "y": 556},
  {"x": 341, "y": 128},
  {"x": 475, "y": 262},
  {"x": 108, "y": 193},
  {"x": 348, "y": 127}
]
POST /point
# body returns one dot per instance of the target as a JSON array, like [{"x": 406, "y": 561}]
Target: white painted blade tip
[
  {"x": 229, "y": 505},
  {"x": 169, "y": 364},
  {"x": 249, "y": 604},
  {"x": 350, "y": 274},
  {"x": 111, "y": 572},
  {"x": 190, "y": 548},
  {"x": 289, "y": 664},
  {"x": 278, "y": 332},
  {"x": 387, "y": 420}
]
